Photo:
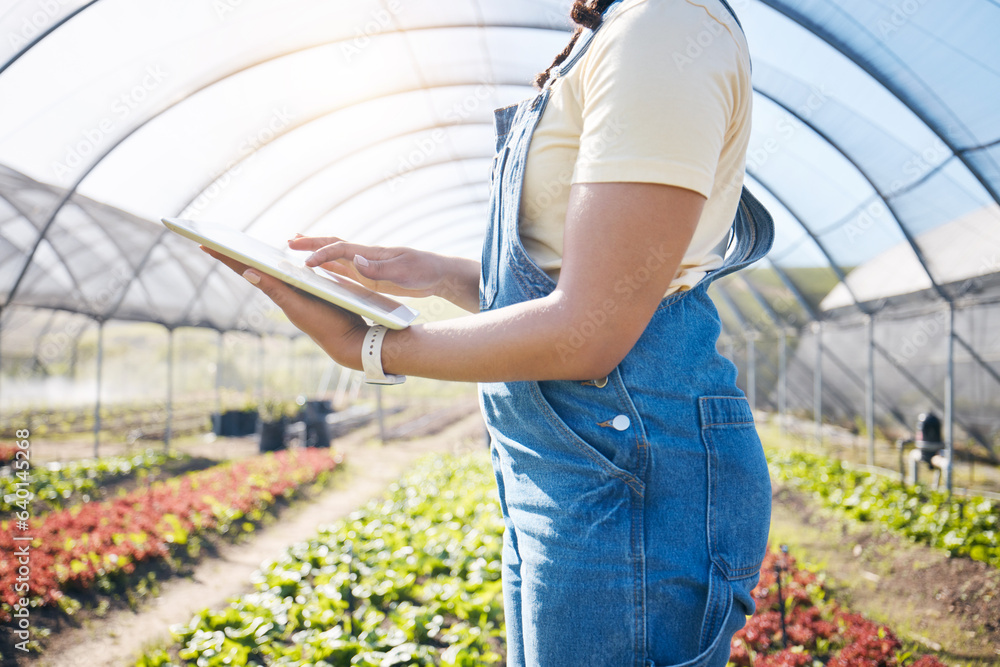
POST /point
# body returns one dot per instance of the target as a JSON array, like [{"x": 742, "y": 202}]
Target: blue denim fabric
[{"x": 637, "y": 506}]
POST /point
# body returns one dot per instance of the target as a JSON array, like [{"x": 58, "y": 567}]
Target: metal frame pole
[
  {"x": 170, "y": 391},
  {"x": 1, "y": 358},
  {"x": 97, "y": 402},
  {"x": 870, "y": 392},
  {"x": 220, "y": 359},
  {"x": 260, "y": 368},
  {"x": 949, "y": 398},
  {"x": 782, "y": 378},
  {"x": 291, "y": 366},
  {"x": 818, "y": 384},
  {"x": 219, "y": 351},
  {"x": 380, "y": 413}
]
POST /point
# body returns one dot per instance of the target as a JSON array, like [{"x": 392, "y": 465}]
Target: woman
[{"x": 632, "y": 482}]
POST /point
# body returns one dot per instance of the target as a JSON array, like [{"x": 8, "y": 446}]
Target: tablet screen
[{"x": 329, "y": 286}]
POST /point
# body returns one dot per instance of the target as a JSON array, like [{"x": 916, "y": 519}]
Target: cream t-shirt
[{"x": 662, "y": 95}]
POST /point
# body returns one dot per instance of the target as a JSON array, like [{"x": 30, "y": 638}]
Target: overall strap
[{"x": 753, "y": 234}]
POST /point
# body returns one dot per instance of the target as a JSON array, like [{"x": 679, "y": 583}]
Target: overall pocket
[
  {"x": 739, "y": 487},
  {"x": 579, "y": 417}
]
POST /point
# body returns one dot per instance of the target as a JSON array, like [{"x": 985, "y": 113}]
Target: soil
[
  {"x": 118, "y": 638},
  {"x": 944, "y": 605}
]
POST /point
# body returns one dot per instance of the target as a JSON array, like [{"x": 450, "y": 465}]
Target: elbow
[
  {"x": 587, "y": 348},
  {"x": 602, "y": 363}
]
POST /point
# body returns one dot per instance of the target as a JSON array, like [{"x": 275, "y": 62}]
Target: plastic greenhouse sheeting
[{"x": 876, "y": 145}]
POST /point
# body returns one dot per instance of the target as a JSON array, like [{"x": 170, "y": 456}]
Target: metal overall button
[
  {"x": 619, "y": 423},
  {"x": 600, "y": 384}
]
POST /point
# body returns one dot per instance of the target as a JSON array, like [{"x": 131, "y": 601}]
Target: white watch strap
[{"x": 371, "y": 358}]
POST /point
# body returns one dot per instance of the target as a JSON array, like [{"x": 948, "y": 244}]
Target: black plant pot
[
  {"x": 235, "y": 423},
  {"x": 272, "y": 435}
]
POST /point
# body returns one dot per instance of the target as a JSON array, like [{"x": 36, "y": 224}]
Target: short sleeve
[{"x": 659, "y": 89}]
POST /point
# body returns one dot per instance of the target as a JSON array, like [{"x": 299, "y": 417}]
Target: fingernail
[
  {"x": 361, "y": 260},
  {"x": 252, "y": 276},
  {"x": 311, "y": 260}
]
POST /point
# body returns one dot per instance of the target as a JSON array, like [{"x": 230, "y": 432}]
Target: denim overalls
[{"x": 637, "y": 506}]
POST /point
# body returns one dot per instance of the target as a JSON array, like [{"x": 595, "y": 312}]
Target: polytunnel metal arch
[
  {"x": 821, "y": 30},
  {"x": 881, "y": 197},
  {"x": 86, "y": 172}
]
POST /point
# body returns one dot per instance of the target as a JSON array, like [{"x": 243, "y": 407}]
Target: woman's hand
[
  {"x": 338, "y": 332},
  {"x": 397, "y": 271}
]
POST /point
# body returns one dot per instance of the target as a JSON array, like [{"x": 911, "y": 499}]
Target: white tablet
[{"x": 319, "y": 282}]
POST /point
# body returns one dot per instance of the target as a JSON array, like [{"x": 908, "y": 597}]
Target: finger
[
  {"x": 280, "y": 292},
  {"x": 300, "y": 242},
  {"x": 344, "y": 268},
  {"x": 394, "y": 270},
  {"x": 272, "y": 287},
  {"x": 335, "y": 251},
  {"x": 233, "y": 264}
]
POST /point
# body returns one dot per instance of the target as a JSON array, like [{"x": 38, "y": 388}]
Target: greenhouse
[{"x": 875, "y": 147}]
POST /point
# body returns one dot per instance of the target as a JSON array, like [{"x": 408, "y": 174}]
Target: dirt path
[
  {"x": 948, "y": 605},
  {"x": 115, "y": 640}
]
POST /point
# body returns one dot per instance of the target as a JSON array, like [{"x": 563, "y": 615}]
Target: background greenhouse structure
[{"x": 876, "y": 146}]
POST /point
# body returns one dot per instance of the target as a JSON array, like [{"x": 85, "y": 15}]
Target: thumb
[{"x": 275, "y": 289}]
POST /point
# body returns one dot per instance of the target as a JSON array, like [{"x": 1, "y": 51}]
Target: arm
[{"x": 623, "y": 245}]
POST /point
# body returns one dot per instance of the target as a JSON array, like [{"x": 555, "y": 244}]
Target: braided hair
[{"x": 586, "y": 14}]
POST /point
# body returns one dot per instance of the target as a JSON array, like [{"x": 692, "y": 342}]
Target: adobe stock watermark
[
  {"x": 224, "y": 7},
  {"x": 379, "y": 21},
  {"x": 426, "y": 146},
  {"x": 595, "y": 318},
  {"x": 35, "y": 23},
  {"x": 279, "y": 120},
  {"x": 123, "y": 106},
  {"x": 260, "y": 313},
  {"x": 914, "y": 168},
  {"x": 926, "y": 330},
  {"x": 785, "y": 129},
  {"x": 898, "y": 16},
  {"x": 698, "y": 43},
  {"x": 554, "y": 188},
  {"x": 451, "y": 288}
]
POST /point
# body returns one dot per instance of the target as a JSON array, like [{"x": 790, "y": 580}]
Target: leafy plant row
[
  {"x": 98, "y": 544},
  {"x": 796, "y": 625},
  {"x": 967, "y": 527},
  {"x": 412, "y": 579},
  {"x": 58, "y": 484},
  {"x": 118, "y": 418}
]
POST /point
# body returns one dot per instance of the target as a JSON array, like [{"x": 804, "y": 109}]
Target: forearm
[
  {"x": 530, "y": 340},
  {"x": 459, "y": 283}
]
